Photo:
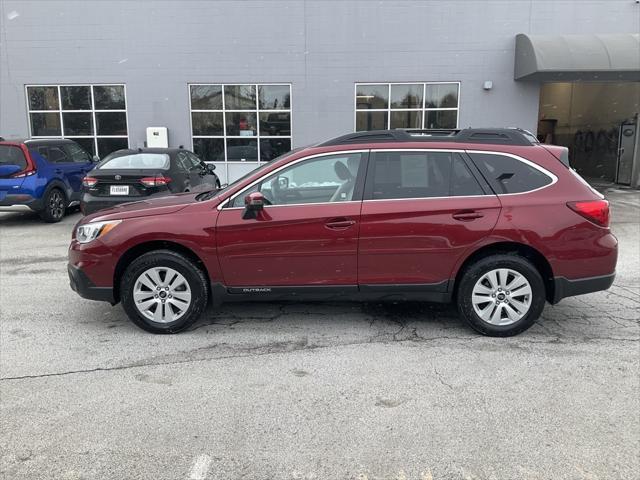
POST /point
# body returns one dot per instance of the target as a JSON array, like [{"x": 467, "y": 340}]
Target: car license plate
[{"x": 119, "y": 190}]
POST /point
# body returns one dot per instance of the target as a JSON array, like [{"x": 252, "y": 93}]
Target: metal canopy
[{"x": 578, "y": 57}]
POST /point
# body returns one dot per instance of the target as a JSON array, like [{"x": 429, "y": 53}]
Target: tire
[
  {"x": 139, "y": 279},
  {"x": 479, "y": 285},
  {"x": 55, "y": 206}
]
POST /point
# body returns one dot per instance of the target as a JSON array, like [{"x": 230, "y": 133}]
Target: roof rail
[{"x": 502, "y": 136}]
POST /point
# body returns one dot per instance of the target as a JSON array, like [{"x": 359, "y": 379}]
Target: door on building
[{"x": 626, "y": 152}]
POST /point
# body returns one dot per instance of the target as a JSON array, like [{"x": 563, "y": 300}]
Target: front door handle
[
  {"x": 341, "y": 223},
  {"x": 467, "y": 215}
]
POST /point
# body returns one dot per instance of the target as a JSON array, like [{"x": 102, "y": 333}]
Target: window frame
[
  {"x": 92, "y": 111},
  {"x": 423, "y": 110},
  {"x": 257, "y": 110}
]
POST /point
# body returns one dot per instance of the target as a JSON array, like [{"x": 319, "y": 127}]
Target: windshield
[
  {"x": 212, "y": 193},
  {"x": 156, "y": 161}
]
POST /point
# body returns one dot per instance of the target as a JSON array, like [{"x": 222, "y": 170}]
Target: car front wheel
[
  {"x": 163, "y": 292},
  {"x": 501, "y": 295}
]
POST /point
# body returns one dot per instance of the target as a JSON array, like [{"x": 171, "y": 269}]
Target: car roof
[{"x": 169, "y": 151}]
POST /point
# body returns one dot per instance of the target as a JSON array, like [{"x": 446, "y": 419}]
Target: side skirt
[{"x": 430, "y": 292}]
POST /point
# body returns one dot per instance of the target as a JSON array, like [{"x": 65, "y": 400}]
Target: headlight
[{"x": 90, "y": 231}]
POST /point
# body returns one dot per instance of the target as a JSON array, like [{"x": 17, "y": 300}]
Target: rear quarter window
[
  {"x": 12, "y": 155},
  {"x": 509, "y": 175}
]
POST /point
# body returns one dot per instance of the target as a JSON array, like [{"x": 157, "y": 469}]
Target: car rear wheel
[
  {"x": 501, "y": 295},
  {"x": 55, "y": 205},
  {"x": 163, "y": 292}
]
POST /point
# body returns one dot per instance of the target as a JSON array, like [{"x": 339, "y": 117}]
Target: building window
[
  {"x": 95, "y": 116},
  {"x": 240, "y": 123},
  {"x": 381, "y": 106}
]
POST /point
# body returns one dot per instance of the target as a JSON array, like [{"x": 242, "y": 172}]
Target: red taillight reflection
[
  {"x": 155, "y": 181},
  {"x": 596, "y": 211},
  {"x": 89, "y": 181}
]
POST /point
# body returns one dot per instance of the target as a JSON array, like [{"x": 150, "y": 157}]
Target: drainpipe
[{"x": 635, "y": 166}]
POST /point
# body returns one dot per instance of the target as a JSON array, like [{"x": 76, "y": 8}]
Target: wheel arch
[
  {"x": 59, "y": 184},
  {"x": 514, "y": 248},
  {"x": 145, "y": 247}
]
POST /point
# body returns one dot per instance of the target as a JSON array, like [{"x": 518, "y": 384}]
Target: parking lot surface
[{"x": 322, "y": 391}]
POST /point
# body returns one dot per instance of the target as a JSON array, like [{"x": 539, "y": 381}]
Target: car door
[
  {"x": 422, "y": 211},
  {"x": 306, "y": 236},
  {"x": 63, "y": 167},
  {"x": 82, "y": 163}
]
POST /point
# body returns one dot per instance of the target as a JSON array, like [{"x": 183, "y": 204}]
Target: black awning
[{"x": 578, "y": 57}]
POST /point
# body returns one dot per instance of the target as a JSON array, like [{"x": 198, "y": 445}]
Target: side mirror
[
  {"x": 253, "y": 203},
  {"x": 211, "y": 167},
  {"x": 7, "y": 170},
  {"x": 283, "y": 183}
]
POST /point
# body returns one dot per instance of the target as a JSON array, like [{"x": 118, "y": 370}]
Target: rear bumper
[
  {"x": 565, "y": 287},
  {"x": 83, "y": 286},
  {"x": 22, "y": 199}
]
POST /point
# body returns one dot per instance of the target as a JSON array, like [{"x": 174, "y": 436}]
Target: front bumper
[
  {"x": 83, "y": 286},
  {"x": 564, "y": 287}
]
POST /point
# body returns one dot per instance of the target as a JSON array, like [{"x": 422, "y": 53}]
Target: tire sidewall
[
  {"x": 165, "y": 258},
  {"x": 477, "y": 270}
]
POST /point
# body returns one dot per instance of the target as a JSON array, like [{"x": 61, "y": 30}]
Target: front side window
[
  {"x": 406, "y": 174},
  {"x": 156, "y": 161},
  {"x": 240, "y": 123},
  {"x": 76, "y": 153},
  {"x": 95, "y": 116},
  {"x": 320, "y": 180},
  {"x": 509, "y": 175},
  {"x": 406, "y": 105}
]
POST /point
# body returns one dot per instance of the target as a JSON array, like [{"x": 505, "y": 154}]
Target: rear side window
[
  {"x": 54, "y": 154},
  {"x": 137, "y": 161},
  {"x": 405, "y": 174},
  {"x": 509, "y": 175},
  {"x": 11, "y": 155}
]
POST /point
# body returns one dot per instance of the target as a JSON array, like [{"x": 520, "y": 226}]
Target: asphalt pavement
[{"x": 312, "y": 390}]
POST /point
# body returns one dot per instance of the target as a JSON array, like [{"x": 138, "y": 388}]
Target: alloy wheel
[
  {"x": 501, "y": 296},
  {"x": 56, "y": 204},
  {"x": 162, "y": 294}
]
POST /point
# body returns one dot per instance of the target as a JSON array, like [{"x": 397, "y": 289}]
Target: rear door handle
[
  {"x": 58, "y": 171},
  {"x": 339, "y": 223},
  {"x": 467, "y": 215}
]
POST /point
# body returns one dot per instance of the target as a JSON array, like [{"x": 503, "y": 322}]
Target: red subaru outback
[{"x": 487, "y": 218}]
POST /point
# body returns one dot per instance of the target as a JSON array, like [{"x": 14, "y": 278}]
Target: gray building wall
[{"x": 321, "y": 47}]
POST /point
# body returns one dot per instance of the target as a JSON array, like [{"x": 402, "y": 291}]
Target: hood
[{"x": 144, "y": 208}]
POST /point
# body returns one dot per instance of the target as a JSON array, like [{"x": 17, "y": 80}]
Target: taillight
[
  {"x": 89, "y": 181},
  {"x": 596, "y": 211},
  {"x": 155, "y": 181},
  {"x": 27, "y": 172}
]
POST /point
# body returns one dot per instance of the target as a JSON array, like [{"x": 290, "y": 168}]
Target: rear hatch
[{"x": 11, "y": 155}]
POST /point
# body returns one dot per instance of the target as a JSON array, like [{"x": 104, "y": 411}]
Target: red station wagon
[{"x": 487, "y": 218}]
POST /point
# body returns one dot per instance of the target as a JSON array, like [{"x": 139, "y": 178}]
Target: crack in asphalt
[{"x": 303, "y": 344}]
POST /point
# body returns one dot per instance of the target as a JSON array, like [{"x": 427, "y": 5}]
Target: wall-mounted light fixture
[{"x": 487, "y": 85}]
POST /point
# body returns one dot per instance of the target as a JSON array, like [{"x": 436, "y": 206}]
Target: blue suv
[{"x": 42, "y": 174}]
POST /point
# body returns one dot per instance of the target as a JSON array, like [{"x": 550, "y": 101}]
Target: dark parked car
[
  {"x": 489, "y": 219},
  {"x": 44, "y": 175},
  {"x": 131, "y": 175}
]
